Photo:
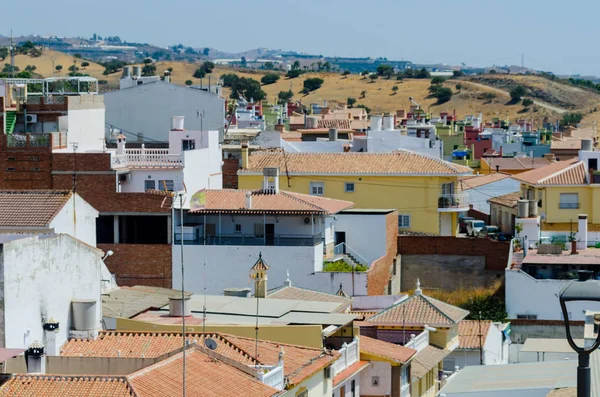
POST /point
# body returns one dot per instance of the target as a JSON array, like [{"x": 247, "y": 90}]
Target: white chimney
[
  {"x": 177, "y": 123},
  {"x": 582, "y": 233},
  {"x": 121, "y": 140},
  {"x": 248, "y": 200},
  {"x": 388, "y": 123},
  {"x": 376, "y": 123},
  {"x": 36, "y": 363}
]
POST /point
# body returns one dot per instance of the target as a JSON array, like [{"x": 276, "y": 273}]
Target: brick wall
[
  {"x": 140, "y": 264},
  {"x": 381, "y": 270},
  {"x": 482, "y": 216},
  {"x": 495, "y": 252},
  {"x": 230, "y": 178},
  {"x": 24, "y": 167}
]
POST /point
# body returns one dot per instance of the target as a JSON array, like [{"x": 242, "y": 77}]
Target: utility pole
[
  {"x": 480, "y": 342},
  {"x": 523, "y": 63},
  {"x": 75, "y": 146},
  {"x": 182, "y": 287},
  {"x": 12, "y": 56}
]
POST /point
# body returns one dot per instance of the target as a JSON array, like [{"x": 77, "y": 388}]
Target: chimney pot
[{"x": 248, "y": 200}]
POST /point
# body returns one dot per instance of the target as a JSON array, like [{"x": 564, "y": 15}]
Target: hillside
[{"x": 487, "y": 94}]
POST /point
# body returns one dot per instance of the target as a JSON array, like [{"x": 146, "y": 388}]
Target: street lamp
[{"x": 586, "y": 290}]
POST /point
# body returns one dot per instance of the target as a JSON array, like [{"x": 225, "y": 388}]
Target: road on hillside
[{"x": 535, "y": 101}]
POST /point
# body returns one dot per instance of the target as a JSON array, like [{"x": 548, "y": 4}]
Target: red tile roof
[
  {"x": 299, "y": 362},
  {"x": 508, "y": 200},
  {"x": 469, "y": 331},
  {"x": 33, "y": 208},
  {"x": 395, "y": 163},
  {"x": 516, "y": 163},
  {"x": 234, "y": 201},
  {"x": 389, "y": 351},
  {"x": 305, "y": 294},
  {"x": 205, "y": 377},
  {"x": 350, "y": 371},
  {"x": 64, "y": 386},
  {"x": 471, "y": 182},
  {"x": 426, "y": 360},
  {"x": 568, "y": 172},
  {"x": 419, "y": 310},
  {"x": 147, "y": 344}
]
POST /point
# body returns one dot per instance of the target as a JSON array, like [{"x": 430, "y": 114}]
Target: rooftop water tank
[
  {"x": 312, "y": 122},
  {"x": 523, "y": 209},
  {"x": 586, "y": 145},
  {"x": 179, "y": 307}
]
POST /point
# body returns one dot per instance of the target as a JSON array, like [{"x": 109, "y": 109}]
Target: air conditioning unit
[
  {"x": 31, "y": 118},
  {"x": 124, "y": 178}
]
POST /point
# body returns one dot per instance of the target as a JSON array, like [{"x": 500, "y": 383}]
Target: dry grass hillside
[{"x": 486, "y": 94}]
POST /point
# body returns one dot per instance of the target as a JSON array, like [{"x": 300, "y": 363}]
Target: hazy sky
[{"x": 554, "y": 35}]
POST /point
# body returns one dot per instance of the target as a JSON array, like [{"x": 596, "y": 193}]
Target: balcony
[
  {"x": 146, "y": 158},
  {"x": 349, "y": 355},
  {"x": 281, "y": 240},
  {"x": 453, "y": 202}
]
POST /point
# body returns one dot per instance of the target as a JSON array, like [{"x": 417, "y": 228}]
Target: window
[
  {"x": 569, "y": 201},
  {"x": 353, "y": 388},
  {"x": 11, "y": 169},
  {"x": 149, "y": 185},
  {"x": 188, "y": 144},
  {"x": 259, "y": 230},
  {"x": 593, "y": 164},
  {"x": 527, "y": 316},
  {"x": 12, "y": 159},
  {"x": 238, "y": 228},
  {"x": 34, "y": 159},
  {"x": 349, "y": 187},
  {"x": 166, "y": 184},
  {"x": 35, "y": 169},
  {"x": 403, "y": 221},
  {"x": 317, "y": 188}
]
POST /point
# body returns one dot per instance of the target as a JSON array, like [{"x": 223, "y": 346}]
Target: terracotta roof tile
[
  {"x": 396, "y": 353},
  {"x": 425, "y": 360},
  {"x": 36, "y": 208},
  {"x": 350, "y": 371},
  {"x": 471, "y": 182},
  {"x": 396, "y": 163},
  {"x": 205, "y": 376},
  {"x": 234, "y": 201},
  {"x": 299, "y": 362},
  {"x": 64, "y": 386},
  {"x": 469, "y": 331},
  {"x": 507, "y": 200},
  {"x": 336, "y": 123},
  {"x": 568, "y": 172},
  {"x": 516, "y": 163},
  {"x": 147, "y": 344},
  {"x": 305, "y": 294},
  {"x": 419, "y": 310}
]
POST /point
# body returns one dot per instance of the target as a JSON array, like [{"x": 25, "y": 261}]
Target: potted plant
[{"x": 573, "y": 241}]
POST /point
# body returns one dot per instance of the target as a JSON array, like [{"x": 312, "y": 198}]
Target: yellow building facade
[{"x": 424, "y": 191}]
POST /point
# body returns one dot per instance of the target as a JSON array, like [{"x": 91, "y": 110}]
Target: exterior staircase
[{"x": 10, "y": 119}]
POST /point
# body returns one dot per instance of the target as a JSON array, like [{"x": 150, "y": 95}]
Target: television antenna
[{"x": 181, "y": 195}]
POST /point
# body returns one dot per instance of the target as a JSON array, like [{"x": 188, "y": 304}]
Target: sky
[{"x": 552, "y": 35}]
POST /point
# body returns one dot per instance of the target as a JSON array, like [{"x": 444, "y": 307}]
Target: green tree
[
  {"x": 247, "y": 88},
  {"x": 367, "y": 109},
  {"x": 208, "y": 67},
  {"x": 373, "y": 77},
  {"x": 35, "y": 52},
  {"x": 296, "y": 65},
  {"x": 350, "y": 101},
  {"x": 269, "y": 78},
  {"x": 78, "y": 56},
  {"x": 313, "y": 84},
  {"x": 85, "y": 64},
  {"x": 517, "y": 93},
  {"x": 437, "y": 80},
  {"x": 443, "y": 95},
  {"x": 292, "y": 74},
  {"x": 199, "y": 73},
  {"x": 422, "y": 74},
  {"x": 457, "y": 73},
  {"x": 284, "y": 96},
  {"x": 244, "y": 62},
  {"x": 58, "y": 68},
  {"x": 409, "y": 73},
  {"x": 459, "y": 87},
  {"x": 345, "y": 73},
  {"x": 395, "y": 89},
  {"x": 148, "y": 61},
  {"x": 527, "y": 102},
  {"x": 269, "y": 65},
  {"x": 189, "y": 82},
  {"x": 491, "y": 308},
  {"x": 3, "y": 53},
  {"x": 571, "y": 119},
  {"x": 170, "y": 70},
  {"x": 327, "y": 66},
  {"x": 492, "y": 71},
  {"x": 229, "y": 79},
  {"x": 30, "y": 68},
  {"x": 149, "y": 70},
  {"x": 385, "y": 70},
  {"x": 365, "y": 73},
  {"x": 363, "y": 94},
  {"x": 73, "y": 68},
  {"x": 206, "y": 52}
]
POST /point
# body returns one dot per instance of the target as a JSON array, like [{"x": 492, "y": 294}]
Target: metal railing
[
  {"x": 283, "y": 240},
  {"x": 147, "y": 158},
  {"x": 449, "y": 201},
  {"x": 349, "y": 355},
  {"x": 345, "y": 249}
]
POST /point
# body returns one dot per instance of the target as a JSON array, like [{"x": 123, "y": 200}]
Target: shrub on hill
[{"x": 269, "y": 78}]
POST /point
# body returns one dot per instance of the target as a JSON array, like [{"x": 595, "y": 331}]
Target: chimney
[
  {"x": 50, "y": 327},
  {"x": 550, "y": 157},
  {"x": 177, "y": 123},
  {"x": 244, "y": 155},
  {"x": 280, "y": 128},
  {"x": 34, "y": 358},
  {"x": 167, "y": 76},
  {"x": 248, "y": 200},
  {"x": 582, "y": 232},
  {"x": 121, "y": 140},
  {"x": 271, "y": 180}
]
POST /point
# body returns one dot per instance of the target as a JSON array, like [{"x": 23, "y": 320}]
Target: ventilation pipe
[{"x": 248, "y": 200}]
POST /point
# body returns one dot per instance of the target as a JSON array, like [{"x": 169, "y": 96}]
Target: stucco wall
[
  {"x": 347, "y": 385},
  {"x": 148, "y": 108},
  {"x": 480, "y": 195},
  {"x": 229, "y": 266},
  {"x": 316, "y": 386},
  {"x": 77, "y": 218},
  {"x": 41, "y": 278},
  {"x": 365, "y": 233},
  {"x": 381, "y": 369},
  {"x": 527, "y": 295}
]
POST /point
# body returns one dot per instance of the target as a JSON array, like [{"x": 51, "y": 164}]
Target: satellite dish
[{"x": 210, "y": 344}]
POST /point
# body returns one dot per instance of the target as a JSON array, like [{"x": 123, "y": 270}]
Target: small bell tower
[{"x": 258, "y": 273}]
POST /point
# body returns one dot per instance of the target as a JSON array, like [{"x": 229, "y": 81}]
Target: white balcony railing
[
  {"x": 147, "y": 158},
  {"x": 419, "y": 342},
  {"x": 272, "y": 376},
  {"x": 349, "y": 352}
]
